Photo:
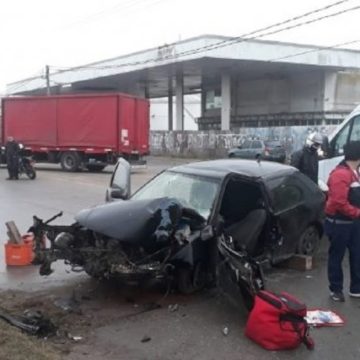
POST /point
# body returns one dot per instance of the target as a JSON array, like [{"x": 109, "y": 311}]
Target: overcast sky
[{"x": 73, "y": 32}]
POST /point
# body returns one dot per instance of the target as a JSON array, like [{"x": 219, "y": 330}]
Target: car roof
[{"x": 223, "y": 167}]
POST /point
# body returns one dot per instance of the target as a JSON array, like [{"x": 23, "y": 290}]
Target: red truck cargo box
[
  {"x": 30, "y": 121},
  {"x": 134, "y": 135},
  {"x": 83, "y": 122},
  {"x": 143, "y": 125},
  {"x": 87, "y": 121}
]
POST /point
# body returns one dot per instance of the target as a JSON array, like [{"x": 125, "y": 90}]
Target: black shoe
[
  {"x": 337, "y": 296},
  {"x": 354, "y": 294}
]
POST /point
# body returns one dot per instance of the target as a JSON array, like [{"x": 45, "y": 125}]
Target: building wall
[
  {"x": 306, "y": 91},
  {"x": 347, "y": 91},
  {"x": 214, "y": 144},
  {"x": 301, "y": 92}
]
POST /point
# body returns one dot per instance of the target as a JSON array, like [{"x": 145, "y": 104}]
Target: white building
[{"x": 241, "y": 83}]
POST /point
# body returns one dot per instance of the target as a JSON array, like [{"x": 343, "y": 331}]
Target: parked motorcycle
[{"x": 26, "y": 164}]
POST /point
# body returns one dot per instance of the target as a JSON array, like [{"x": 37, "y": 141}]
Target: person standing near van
[
  {"x": 307, "y": 159},
  {"x": 342, "y": 223}
]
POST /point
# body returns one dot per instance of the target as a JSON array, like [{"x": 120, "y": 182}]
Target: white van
[{"x": 348, "y": 130}]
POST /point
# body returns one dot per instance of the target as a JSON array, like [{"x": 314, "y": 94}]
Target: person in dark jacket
[
  {"x": 307, "y": 159},
  {"x": 342, "y": 223},
  {"x": 12, "y": 150}
]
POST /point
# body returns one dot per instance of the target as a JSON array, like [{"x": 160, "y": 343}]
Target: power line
[
  {"x": 241, "y": 39},
  {"x": 227, "y": 42},
  {"x": 317, "y": 49},
  {"x": 230, "y": 41},
  {"x": 314, "y": 50},
  {"x": 36, "y": 76}
]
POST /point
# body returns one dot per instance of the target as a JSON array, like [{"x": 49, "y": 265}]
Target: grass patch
[{"x": 16, "y": 345}]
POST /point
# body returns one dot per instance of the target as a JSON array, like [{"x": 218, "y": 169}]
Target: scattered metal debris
[
  {"x": 32, "y": 322},
  {"x": 173, "y": 307},
  {"x": 74, "y": 338},
  {"x": 145, "y": 339}
]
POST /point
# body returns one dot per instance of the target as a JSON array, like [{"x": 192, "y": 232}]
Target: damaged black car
[{"x": 216, "y": 221}]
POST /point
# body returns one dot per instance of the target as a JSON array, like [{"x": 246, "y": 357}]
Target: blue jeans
[{"x": 343, "y": 236}]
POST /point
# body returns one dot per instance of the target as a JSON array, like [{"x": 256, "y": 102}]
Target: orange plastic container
[{"x": 20, "y": 254}]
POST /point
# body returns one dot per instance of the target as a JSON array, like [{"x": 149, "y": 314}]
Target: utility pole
[{"x": 47, "y": 77}]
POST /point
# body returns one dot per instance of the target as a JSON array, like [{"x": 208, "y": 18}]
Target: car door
[
  {"x": 120, "y": 185},
  {"x": 290, "y": 214},
  {"x": 239, "y": 275},
  {"x": 256, "y": 149},
  {"x": 244, "y": 151}
]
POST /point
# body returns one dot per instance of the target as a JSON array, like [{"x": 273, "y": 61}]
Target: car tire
[
  {"x": 309, "y": 241},
  {"x": 190, "y": 280},
  {"x": 70, "y": 161},
  {"x": 231, "y": 156}
]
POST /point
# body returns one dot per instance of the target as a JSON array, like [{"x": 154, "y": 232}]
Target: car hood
[{"x": 132, "y": 221}]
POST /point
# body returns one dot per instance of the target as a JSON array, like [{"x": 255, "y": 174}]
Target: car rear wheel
[
  {"x": 309, "y": 241},
  {"x": 231, "y": 155}
]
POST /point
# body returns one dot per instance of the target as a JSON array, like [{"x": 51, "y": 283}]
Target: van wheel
[
  {"x": 309, "y": 241},
  {"x": 70, "y": 161}
]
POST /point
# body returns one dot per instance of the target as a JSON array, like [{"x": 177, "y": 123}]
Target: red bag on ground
[{"x": 277, "y": 322}]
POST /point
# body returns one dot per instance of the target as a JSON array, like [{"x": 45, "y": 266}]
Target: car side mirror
[
  {"x": 117, "y": 194},
  {"x": 120, "y": 184}
]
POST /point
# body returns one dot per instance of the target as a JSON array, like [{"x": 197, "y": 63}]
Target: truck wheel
[
  {"x": 70, "y": 161},
  {"x": 95, "y": 168}
]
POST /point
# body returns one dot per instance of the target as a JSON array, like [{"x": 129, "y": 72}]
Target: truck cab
[{"x": 348, "y": 130}]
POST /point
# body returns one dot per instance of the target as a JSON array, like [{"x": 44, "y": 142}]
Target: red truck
[{"x": 87, "y": 130}]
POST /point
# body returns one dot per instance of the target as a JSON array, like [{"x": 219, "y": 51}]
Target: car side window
[
  {"x": 256, "y": 144},
  {"x": 341, "y": 140},
  {"x": 355, "y": 131},
  {"x": 286, "y": 193},
  {"x": 246, "y": 144}
]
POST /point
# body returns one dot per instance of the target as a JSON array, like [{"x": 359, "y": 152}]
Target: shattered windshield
[{"x": 197, "y": 192}]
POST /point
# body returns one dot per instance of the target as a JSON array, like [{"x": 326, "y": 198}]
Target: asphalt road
[{"x": 195, "y": 330}]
